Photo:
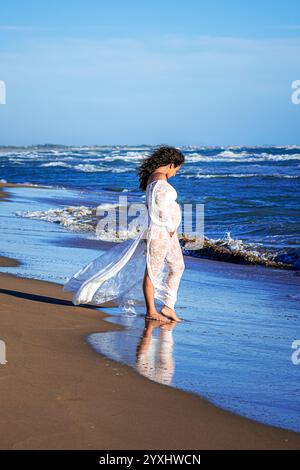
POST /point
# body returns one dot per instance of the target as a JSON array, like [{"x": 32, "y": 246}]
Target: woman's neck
[{"x": 154, "y": 176}]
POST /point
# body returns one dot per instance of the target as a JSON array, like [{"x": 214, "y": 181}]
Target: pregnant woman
[{"x": 153, "y": 260}]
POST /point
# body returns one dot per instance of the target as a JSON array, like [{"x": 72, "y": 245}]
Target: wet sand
[{"x": 57, "y": 393}]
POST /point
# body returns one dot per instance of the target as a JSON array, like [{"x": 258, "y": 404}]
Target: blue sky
[{"x": 130, "y": 72}]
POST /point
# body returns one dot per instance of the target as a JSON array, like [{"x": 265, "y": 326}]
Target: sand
[{"x": 57, "y": 393}]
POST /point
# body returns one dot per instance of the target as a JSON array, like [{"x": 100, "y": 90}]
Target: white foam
[
  {"x": 75, "y": 218},
  {"x": 244, "y": 157},
  {"x": 239, "y": 175},
  {"x": 62, "y": 164},
  {"x": 88, "y": 168}
]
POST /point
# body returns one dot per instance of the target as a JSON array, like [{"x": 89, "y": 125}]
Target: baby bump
[{"x": 176, "y": 214}]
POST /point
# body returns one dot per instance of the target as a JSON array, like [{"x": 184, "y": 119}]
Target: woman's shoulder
[
  {"x": 159, "y": 180},
  {"x": 160, "y": 186},
  {"x": 154, "y": 183},
  {"x": 157, "y": 177}
]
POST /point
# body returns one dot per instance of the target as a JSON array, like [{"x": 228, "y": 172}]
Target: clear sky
[{"x": 180, "y": 72}]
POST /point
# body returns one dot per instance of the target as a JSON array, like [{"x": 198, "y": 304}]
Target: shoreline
[
  {"x": 4, "y": 195},
  {"x": 60, "y": 394}
]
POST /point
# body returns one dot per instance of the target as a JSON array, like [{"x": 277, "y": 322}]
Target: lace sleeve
[{"x": 161, "y": 214}]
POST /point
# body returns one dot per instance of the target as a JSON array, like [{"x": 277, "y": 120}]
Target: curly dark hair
[{"x": 163, "y": 155}]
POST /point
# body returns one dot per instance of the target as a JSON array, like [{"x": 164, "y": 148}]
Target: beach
[{"x": 58, "y": 393}]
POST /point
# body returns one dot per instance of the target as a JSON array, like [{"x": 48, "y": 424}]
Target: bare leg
[
  {"x": 148, "y": 290},
  {"x": 176, "y": 265}
]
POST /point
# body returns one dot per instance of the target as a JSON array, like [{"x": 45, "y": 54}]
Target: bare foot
[
  {"x": 168, "y": 312},
  {"x": 157, "y": 316}
]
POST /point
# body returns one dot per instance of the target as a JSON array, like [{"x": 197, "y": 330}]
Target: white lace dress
[{"x": 117, "y": 274}]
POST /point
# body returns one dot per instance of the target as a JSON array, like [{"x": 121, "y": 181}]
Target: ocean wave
[
  {"x": 17, "y": 161},
  {"x": 34, "y": 185},
  {"x": 29, "y": 155},
  {"x": 242, "y": 157},
  {"x": 230, "y": 153},
  {"x": 193, "y": 154},
  {"x": 85, "y": 219},
  {"x": 74, "y": 218},
  {"x": 239, "y": 175},
  {"x": 88, "y": 168},
  {"x": 134, "y": 154},
  {"x": 55, "y": 163},
  {"x": 82, "y": 219},
  {"x": 133, "y": 157},
  {"x": 237, "y": 251},
  {"x": 85, "y": 167}
]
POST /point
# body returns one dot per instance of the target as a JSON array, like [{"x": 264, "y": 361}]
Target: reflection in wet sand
[
  {"x": 236, "y": 321},
  {"x": 154, "y": 355}
]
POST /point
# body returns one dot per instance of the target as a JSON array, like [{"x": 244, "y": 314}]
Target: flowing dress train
[{"x": 118, "y": 273}]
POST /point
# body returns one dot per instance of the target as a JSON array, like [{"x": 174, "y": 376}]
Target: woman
[{"x": 151, "y": 262}]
